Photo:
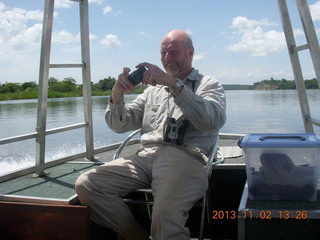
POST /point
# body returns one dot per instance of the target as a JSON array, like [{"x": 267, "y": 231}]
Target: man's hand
[
  {"x": 154, "y": 75},
  {"x": 121, "y": 86}
]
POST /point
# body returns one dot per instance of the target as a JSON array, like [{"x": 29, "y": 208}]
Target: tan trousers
[{"x": 178, "y": 179}]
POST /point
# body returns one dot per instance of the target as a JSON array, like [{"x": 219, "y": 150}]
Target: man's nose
[{"x": 167, "y": 56}]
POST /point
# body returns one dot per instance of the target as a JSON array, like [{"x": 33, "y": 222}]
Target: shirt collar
[{"x": 194, "y": 75}]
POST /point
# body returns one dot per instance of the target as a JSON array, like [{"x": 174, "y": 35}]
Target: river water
[{"x": 247, "y": 112}]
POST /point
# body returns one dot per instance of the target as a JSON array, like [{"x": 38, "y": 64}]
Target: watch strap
[{"x": 175, "y": 86}]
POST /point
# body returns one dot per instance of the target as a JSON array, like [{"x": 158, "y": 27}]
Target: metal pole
[
  {"x": 311, "y": 35},
  {"x": 86, "y": 77},
  {"x": 296, "y": 66},
  {"x": 43, "y": 87}
]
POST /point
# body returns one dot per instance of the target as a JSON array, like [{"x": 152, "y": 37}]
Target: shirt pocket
[{"x": 151, "y": 117}]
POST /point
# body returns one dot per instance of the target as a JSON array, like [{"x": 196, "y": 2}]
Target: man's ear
[{"x": 191, "y": 52}]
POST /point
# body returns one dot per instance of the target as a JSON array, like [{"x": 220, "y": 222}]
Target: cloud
[
  {"x": 245, "y": 23},
  {"x": 34, "y": 15},
  {"x": 110, "y": 40},
  {"x": 143, "y": 33},
  {"x": 199, "y": 56},
  {"x": 62, "y": 4},
  {"x": 96, "y": 1},
  {"x": 15, "y": 33},
  {"x": 68, "y": 3},
  {"x": 254, "y": 39},
  {"x": 107, "y": 10},
  {"x": 315, "y": 11},
  {"x": 64, "y": 36}
]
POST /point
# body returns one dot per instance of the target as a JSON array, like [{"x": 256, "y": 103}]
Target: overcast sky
[{"x": 239, "y": 42}]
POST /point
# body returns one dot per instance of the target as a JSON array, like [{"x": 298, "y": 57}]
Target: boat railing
[
  {"x": 35, "y": 134},
  {"x": 45, "y": 65}
]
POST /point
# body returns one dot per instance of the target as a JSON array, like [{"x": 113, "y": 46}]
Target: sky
[{"x": 237, "y": 41}]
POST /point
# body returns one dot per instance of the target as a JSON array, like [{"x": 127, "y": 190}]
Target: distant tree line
[
  {"x": 69, "y": 88},
  {"x": 58, "y": 88},
  {"x": 237, "y": 87},
  {"x": 274, "y": 84}
]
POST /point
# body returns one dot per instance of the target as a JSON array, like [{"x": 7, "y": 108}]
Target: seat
[{"x": 203, "y": 203}]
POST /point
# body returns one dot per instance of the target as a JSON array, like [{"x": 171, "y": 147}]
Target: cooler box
[{"x": 282, "y": 166}]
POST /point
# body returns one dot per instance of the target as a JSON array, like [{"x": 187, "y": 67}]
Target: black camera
[
  {"x": 175, "y": 131},
  {"x": 136, "y": 77}
]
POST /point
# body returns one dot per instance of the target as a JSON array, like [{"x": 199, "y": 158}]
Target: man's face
[{"x": 176, "y": 58}]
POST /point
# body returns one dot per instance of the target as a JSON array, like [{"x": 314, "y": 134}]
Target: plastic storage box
[{"x": 282, "y": 166}]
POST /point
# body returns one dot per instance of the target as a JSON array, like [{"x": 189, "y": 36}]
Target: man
[{"x": 176, "y": 170}]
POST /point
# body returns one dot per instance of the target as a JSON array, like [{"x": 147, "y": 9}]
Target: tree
[
  {"x": 66, "y": 85},
  {"x": 52, "y": 81},
  {"x": 311, "y": 84},
  {"x": 28, "y": 86},
  {"x": 69, "y": 84},
  {"x": 10, "y": 88},
  {"x": 104, "y": 84}
]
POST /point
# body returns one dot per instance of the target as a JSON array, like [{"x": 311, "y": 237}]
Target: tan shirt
[{"x": 202, "y": 103}]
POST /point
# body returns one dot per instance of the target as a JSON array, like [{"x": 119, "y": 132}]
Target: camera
[
  {"x": 136, "y": 77},
  {"x": 175, "y": 131}
]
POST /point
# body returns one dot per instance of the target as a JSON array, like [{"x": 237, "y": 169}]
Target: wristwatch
[{"x": 175, "y": 86}]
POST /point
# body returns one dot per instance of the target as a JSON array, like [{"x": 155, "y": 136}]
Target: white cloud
[
  {"x": 235, "y": 74},
  {"x": 96, "y": 1},
  {"x": 107, "y": 10},
  {"x": 143, "y": 33},
  {"x": 14, "y": 30},
  {"x": 34, "y": 15},
  {"x": 91, "y": 36},
  {"x": 68, "y": 3},
  {"x": 31, "y": 36},
  {"x": 315, "y": 11},
  {"x": 62, "y": 4},
  {"x": 64, "y": 37},
  {"x": 111, "y": 40},
  {"x": 199, "y": 56},
  {"x": 254, "y": 39},
  {"x": 245, "y": 23}
]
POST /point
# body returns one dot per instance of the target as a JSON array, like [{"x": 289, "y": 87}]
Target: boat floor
[
  {"x": 57, "y": 188},
  {"x": 58, "y": 185}
]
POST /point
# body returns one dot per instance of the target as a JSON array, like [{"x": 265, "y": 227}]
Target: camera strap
[
  {"x": 169, "y": 111},
  {"x": 173, "y": 130}
]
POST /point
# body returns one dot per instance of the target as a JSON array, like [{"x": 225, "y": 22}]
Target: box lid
[{"x": 287, "y": 140}]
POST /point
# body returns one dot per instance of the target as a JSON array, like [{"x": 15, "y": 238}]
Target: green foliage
[
  {"x": 311, "y": 84},
  {"x": 236, "y": 87},
  {"x": 58, "y": 89},
  {"x": 10, "y": 88},
  {"x": 68, "y": 88},
  {"x": 29, "y": 86},
  {"x": 273, "y": 84},
  {"x": 104, "y": 84},
  {"x": 66, "y": 85},
  {"x": 19, "y": 95}
]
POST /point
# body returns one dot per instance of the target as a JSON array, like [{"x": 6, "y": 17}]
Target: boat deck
[
  {"x": 58, "y": 185},
  {"x": 57, "y": 189},
  {"x": 228, "y": 194}
]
